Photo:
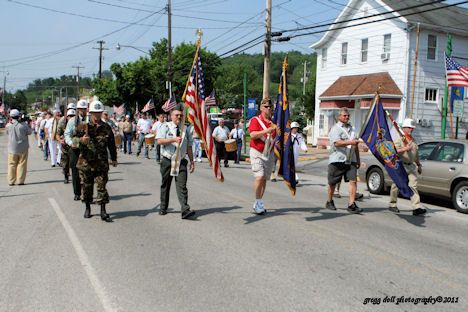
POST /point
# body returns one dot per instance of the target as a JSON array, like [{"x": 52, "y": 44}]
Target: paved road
[{"x": 299, "y": 257}]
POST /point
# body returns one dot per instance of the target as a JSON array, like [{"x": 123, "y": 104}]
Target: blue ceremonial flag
[
  {"x": 283, "y": 143},
  {"x": 376, "y": 135}
]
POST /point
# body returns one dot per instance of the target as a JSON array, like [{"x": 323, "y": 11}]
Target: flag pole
[{"x": 448, "y": 52}]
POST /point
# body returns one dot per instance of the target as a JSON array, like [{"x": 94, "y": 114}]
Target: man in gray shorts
[{"x": 344, "y": 160}]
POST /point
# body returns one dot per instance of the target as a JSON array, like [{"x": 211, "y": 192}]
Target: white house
[{"x": 353, "y": 62}]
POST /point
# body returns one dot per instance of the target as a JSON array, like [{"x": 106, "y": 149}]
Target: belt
[{"x": 408, "y": 164}]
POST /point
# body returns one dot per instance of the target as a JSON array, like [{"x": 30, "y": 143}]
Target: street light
[{"x": 119, "y": 46}]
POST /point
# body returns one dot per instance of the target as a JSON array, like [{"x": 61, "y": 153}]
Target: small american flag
[
  {"x": 119, "y": 110},
  {"x": 169, "y": 104},
  {"x": 457, "y": 76},
  {"x": 211, "y": 99},
  {"x": 149, "y": 106}
]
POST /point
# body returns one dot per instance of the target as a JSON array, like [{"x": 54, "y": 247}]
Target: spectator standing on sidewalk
[{"x": 18, "y": 146}]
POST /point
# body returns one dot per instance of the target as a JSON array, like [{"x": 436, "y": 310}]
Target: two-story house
[{"x": 353, "y": 62}]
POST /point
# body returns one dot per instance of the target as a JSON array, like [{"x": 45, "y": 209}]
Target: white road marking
[{"x": 90, "y": 272}]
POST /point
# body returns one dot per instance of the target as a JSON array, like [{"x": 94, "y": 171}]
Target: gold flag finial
[
  {"x": 199, "y": 34},
  {"x": 285, "y": 63}
]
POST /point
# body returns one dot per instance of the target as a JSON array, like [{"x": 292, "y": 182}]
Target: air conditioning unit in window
[{"x": 385, "y": 56}]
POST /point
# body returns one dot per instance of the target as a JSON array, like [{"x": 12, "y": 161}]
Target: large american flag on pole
[
  {"x": 197, "y": 115},
  {"x": 457, "y": 76},
  {"x": 148, "y": 106},
  {"x": 211, "y": 99},
  {"x": 169, "y": 104}
]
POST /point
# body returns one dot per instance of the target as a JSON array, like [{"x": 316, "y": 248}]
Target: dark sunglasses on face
[{"x": 267, "y": 106}]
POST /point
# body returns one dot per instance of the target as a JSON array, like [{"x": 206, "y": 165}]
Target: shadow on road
[
  {"x": 133, "y": 213},
  {"x": 207, "y": 211},
  {"x": 123, "y": 196},
  {"x": 44, "y": 182},
  {"x": 22, "y": 195},
  {"x": 129, "y": 163}
]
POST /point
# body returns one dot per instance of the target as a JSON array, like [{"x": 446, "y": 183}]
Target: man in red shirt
[{"x": 262, "y": 158}]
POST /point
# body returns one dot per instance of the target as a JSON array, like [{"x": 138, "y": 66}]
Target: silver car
[{"x": 444, "y": 172}]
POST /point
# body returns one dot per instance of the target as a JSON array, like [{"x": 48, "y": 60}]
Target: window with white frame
[
  {"x": 387, "y": 43},
  {"x": 431, "y": 47},
  {"x": 321, "y": 121},
  {"x": 431, "y": 95},
  {"x": 324, "y": 58},
  {"x": 364, "y": 48},
  {"x": 344, "y": 53}
]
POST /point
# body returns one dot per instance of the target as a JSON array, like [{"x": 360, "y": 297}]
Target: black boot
[
  {"x": 87, "y": 213},
  {"x": 104, "y": 215},
  {"x": 66, "y": 179}
]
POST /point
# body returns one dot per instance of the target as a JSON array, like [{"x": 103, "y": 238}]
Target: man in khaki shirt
[{"x": 409, "y": 156}]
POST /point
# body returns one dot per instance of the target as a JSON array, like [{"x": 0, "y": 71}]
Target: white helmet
[
  {"x": 82, "y": 104},
  {"x": 71, "y": 106},
  {"x": 96, "y": 107},
  {"x": 71, "y": 112},
  {"x": 294, "y": 124},
  {"x": 408, "y": 123}
]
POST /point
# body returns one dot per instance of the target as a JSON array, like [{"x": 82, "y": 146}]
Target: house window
[
  {"x": 324, "y": 58},
  {"x": 431, "y": 47},
  {"x": 431, "y": 95},
  {"x": 364, "y": 47},
  {"x": 321, "y": 121},
  {"x": 344, "y": 53}
]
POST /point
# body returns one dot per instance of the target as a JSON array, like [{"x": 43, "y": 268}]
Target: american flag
[
  {"x": 169, "y": 104},
  {"x": 148, "y": 106},
  {"x": 211, "y": 99},
  {"x": 195, "y": 100},
  {"x": 457, "y": 76},
  {"x": 119, "y": 110}
]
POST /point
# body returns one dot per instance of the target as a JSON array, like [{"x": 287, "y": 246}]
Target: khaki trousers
[
  {"x": 17, "y": 167},
  {"x": 413, "y": 184}
]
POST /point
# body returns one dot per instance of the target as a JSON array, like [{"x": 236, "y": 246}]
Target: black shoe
[
  {"x": 226, "y": 165},
  {"x": 138, "y": 154},
  {"x": 20, "y": 183},
  {"x": 273, "y": 180},
  {"x": 87, "y": 213},
  {"x": 10, "y": 184},
  {"x": 353, "y": 208},
  {"x": 359, "y": 196},
  {"x": 394, "y": 209},
  {"x": 163, "y": 212},
  {"x": 419, "y": 211},
  {"x": 187, "y": 214},
  {"x": 330, "y": 205},
  {"x": 53, "y": 166},
  {"x": 66, "y": 180},
  {"x": 104, "y": 215},
  {"x": 147, "y": 157}
]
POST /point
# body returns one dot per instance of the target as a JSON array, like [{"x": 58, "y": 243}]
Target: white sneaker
[
  {"x": 198, "y": 159},
  {"x": 258, "y": 208}
]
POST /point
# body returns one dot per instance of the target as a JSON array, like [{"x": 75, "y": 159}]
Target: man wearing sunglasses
[
  {"x": 262, "y": 158},
  {"x": 169, "y": 136},
  {"x": 344, "y": 160}
]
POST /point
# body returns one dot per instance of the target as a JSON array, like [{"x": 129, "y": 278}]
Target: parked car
[{"x": 444, "y": 172}]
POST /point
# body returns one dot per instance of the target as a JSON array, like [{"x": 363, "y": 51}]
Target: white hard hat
[
  {"x": 71, "y": 112},
  {"x": 14, "y": 113},
  {"x": 71, "y": 106},
  {"x": 96, "y": 107},
  {"x": 294, "y": 124},
  {"x": 82, "y": 104},
  {"x": 408, "y": 123}
]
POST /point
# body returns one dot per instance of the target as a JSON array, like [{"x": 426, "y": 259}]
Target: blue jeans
[
  {"x": 196, "y": 148},
  {"x": 141, "y": 141},
  {"x": 46, "y": 149},
  {"x": 157, "y": 151},
  {"x": 127, "y": 144},
  {"x": 239, "y": 151}
]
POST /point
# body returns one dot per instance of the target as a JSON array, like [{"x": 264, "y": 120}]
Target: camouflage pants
[
  {"x": 65, "y": 161},
  {"x": 90, "y": 175}
]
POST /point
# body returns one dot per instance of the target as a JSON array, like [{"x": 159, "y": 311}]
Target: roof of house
[
  {"x": 452, "y": 19},
  {"x": 362, "y": 85}
]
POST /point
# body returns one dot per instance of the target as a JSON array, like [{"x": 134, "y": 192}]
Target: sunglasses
[
  {"x": 267, "y": 106},
  {"x": 178, "y": 115},
  {"x": 345, "y": 115}
]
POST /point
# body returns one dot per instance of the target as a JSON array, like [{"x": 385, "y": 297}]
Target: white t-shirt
[
  {"x": 221, "y": 134},
  {"x": 156, "y": 126},
  {"x": 143, "y": 125},
  {"x": 237, "y": 132}
]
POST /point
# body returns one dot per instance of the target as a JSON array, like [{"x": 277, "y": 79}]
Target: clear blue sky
[{"x": 28, "y": 31}]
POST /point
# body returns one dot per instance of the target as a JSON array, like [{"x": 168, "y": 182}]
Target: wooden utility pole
[
  {"x": 169, "y": 49},
  {"x": 267, "y": 51},
  {"x": 101, "y": 43},
  {"x": 78, "y": 81},
  {"x": 304, "y": 78}
]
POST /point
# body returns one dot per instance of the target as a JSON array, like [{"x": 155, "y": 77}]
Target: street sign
[{"x": 458, "y": 108}]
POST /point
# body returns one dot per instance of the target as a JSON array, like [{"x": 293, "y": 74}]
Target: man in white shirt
[
  {"x": 55, "y": 148},
  {"x": 156, "y": 126},
  {"x": 44, "y": 135},
  {"x": 143, "y": 128},
  {"x": 38, "y": 130},
  {"x": 237, "y": 134},
  {"x": 220, "y": 135}
]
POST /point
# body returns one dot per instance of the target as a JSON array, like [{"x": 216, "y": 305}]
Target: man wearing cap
[
  {"x": 72, "y": 140},
  {"x": 298, "y": 143},
  {"x": 96, "y": 140},
  {"x": 18, "y": 146},
  {"x": 408, "y": 152},
  {"x": 220, "y": 135},
  {"x": 237, "y": 134},
  {"x": 65, "y": 160},
  {"x": 169, "y": 137}
]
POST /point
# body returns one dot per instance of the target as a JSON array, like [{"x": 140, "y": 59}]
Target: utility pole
[
  {"x": 304, "y": 78},
  {"x": 267, "y": 52},
  {"x": 169, "y": 48},
  {"x": 245, "y": 109},
  {"x": 101, "y": 43},
  {"x": 78, "y": 81},
  {"x": 5, "y": 73}
]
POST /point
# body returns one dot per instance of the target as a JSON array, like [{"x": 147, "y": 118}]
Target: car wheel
[
  {"x": 375, "y": 181},
  {"x": 460, "y": 197}
]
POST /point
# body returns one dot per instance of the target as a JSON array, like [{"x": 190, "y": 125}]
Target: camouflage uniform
[
  {"x": 93, "y": 164},
  {"x": 65, "y": 161}
]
